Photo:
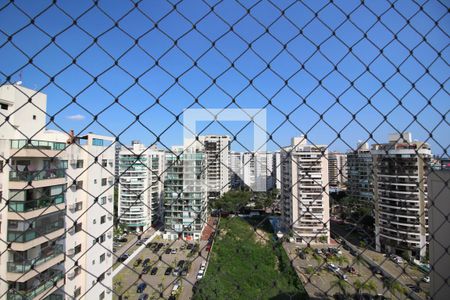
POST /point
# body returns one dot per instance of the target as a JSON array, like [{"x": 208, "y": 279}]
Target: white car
[
  {"x": 333, "y": 268},
  {"x": 176, "y": 286},
  {"x": 203, "y": 266},
  {"x": 200, "y": 274},
  {"x": 426, "y": 279}
]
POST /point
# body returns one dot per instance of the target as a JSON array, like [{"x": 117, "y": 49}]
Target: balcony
[
  {"x": 41, "y": 178},
  {"x": 19, "y": 210},
  {"x": 47, "y": 281},
  {"x": 31, "y": 234},
  {"x": 21, "y": 271},
  {"x": 37, "y": 148}
]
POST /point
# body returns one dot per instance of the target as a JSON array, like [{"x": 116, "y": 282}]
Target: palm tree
[
  {"x": 342, "y": 285},
  {"x": 358, "y": 261},
  {"x": 359, "y": 286},
  {"x": 371, "y": 287},
  {"x": 392, "y": 286}
]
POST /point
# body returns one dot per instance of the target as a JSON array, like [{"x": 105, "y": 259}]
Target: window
[
  {"x": 78, "y": 206},
  {"x": 104, "y": 180},
  {"x": 1, "y": 166},
  {"x": 95, "y": 181},
  {"x": 102, "y": 296},
  {"x": 4, "y": 106},
  {"x": 78, "y": 227},
  {"x": 103, "y": 200},
  {"x": 102, "y": 238},
  {"x": 103, "y": 219},
  {"x": 104, "y": 162},
  {"x": 93, "y": 262},
  {"x": 34, "y": 117},
  {"x": 80, "y": 164},
  {"x": 79, "y": 184},
  {"x": 101, "y": 277},
  {"x": 102, "y": 258},
  {"x": 77, "y": 249}
]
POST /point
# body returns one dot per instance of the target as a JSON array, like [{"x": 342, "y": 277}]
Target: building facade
[
  {"x": 185, "y": 194},
  {"x": 54, "y": 191},
  {"x": 337, "y": 170},
  {"x": 305, "y": 192},
  {"x": 400, "y": 195},
  {"x": 217, "y": 154},
  {"x": 360, "y": 173},
  {"x": 236, "y": 169},
  {"x": 258, "y": 171},
  {"x": 439, "y": 209},
  {"x": 141, "y": 186}
]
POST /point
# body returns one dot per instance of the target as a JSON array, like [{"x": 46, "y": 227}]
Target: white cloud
[{"x": 77, "y": 117}]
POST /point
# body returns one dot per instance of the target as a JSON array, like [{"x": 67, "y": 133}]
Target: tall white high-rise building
[
  {"x": 337, "y": 170},
  {"x": 305, "y": 192},
  {"x": 276, "y": 170},
  {"x": 400, "y": 195},
  {"x": 257, "y": 170},
  {"x": 141, "y": 186},
  {"x": 236, "y": 169},
  {"x": 185, "y": 193},
  {"x": 58, "y": 191}
]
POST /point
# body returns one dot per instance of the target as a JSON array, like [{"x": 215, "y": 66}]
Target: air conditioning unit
[
  {"x": 109, "y": 254},
  {"x": 108, "y": 291},
  {"x": 111, "y": 162},
  {"x": 110, "y": 217},
  {"x": 110, "y": 198},
  {"x": 71, "y": 230},
  {"x": 71, "y": 275},
  {"x": 71, "y": 251},
  {"x": 109, "y": 234},
  {"x": 109, "y": 272},
  {"x": 72, "y": 207},
  {"x": 111, "y": 179}
]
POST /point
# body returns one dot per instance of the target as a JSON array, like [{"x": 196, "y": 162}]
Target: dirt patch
[{"x": 261, "y": 236}]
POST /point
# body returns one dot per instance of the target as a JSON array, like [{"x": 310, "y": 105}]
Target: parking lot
[
  {"x": 320, "y": 280},
  {"x": 159, "y": 276}
]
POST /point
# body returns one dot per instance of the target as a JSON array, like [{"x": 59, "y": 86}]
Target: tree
[
  {"x": 360, "y": 286},
  {"x": 342, "y": 285},
  {"x": 393, "y": 286},
  {"x": 358, "y": 261}
]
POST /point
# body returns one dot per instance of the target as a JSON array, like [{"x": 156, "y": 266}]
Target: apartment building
[
  {"x": 276, "y": 170},
  {"x": 50, "y": 183},
  {"x": 305, "y": 192},
  {"x": 236, "y": 169},
  {"x": 141, "y": 186},
  {"x": 400, "y": 195},
  {"x": 360, "y": 173},
  {"x": 337, "y": 170},
  {"x": 185, "y": 193},
  {"x": 439, "y": 210},
  {"x": 257, "y": 170},
  {"x": 217, "y": 152}
]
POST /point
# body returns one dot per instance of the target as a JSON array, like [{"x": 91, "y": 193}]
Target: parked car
[
  {"x": 318, "y": 251},
  {"x": 351, "y": 270},
  {"x": 203, "y": 265},
  {"x": 181, "y": 263},
  {"x": 168, "y": 271},
  {"x": 174, "y": 251},
  {"x": 184, "y": 271},
  {"x": 200, "y": 274},
  {"x": 189, "y": 246},
  {"x": 176, "y": 286},
  {"x": 123, "y": 257},
  {"x": 146, "y": 262},
  {"x": 146, "y": 269},
  {"x": 302, "y": 255},
  {"x": 375, "y": 270},
  {"x": 414, "y": 288},
  {"x": 168, "y": 250},
  {"x": 137, "y": 262},
  {"x": 341, "y": 275},
  {"x": 208, "y": 247},
  {"x": 154, "y": 271},
  {"x": 333, "y": 268},
  {"x": 141, "y": 287},
  {"x": 176, "y": 271},
  {"x": 143, "y": 297},
  {"x": 426, "y": 279}
]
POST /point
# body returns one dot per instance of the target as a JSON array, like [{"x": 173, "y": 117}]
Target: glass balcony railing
[
  {"x": 26, "y": 265},
  {"x": 36, "y": 175},
  {"x": 30, "y": 205},
  {"x": 31, "y": 234},
  {"x": 47, "y": 281},
  {"x": 36, "y": 144}
]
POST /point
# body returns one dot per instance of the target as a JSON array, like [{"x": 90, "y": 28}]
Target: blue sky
[{"x": 302, "y": 80}]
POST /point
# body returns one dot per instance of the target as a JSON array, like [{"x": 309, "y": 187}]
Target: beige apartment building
[
  {"x": 56, "y": 205},
  {"x": 400, "y": 195},
  {"x": 305, "y": 192}
]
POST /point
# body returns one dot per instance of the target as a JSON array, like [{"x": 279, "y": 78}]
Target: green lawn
[{"x": 245, "y": 266}]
